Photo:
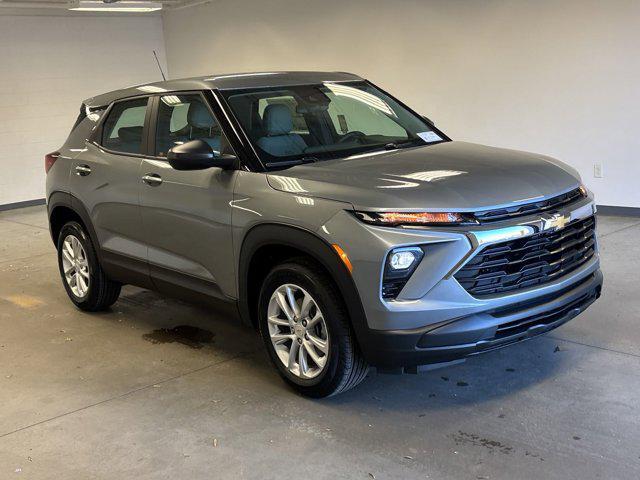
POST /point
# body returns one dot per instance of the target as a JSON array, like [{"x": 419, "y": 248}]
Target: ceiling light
[
  {"x": 151, "y": 89},
  {"x": 123, "y": 6}
]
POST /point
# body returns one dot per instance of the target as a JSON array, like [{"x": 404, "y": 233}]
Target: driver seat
[{"x": 279, "y": 140}]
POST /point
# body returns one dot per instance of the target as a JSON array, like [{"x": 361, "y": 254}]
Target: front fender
[{"x": 313, "y": 246}]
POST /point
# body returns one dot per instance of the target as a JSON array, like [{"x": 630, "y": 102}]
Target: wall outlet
[{"x": 597, "y": 170}]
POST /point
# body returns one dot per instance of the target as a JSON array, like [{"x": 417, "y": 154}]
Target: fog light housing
[{"x": 399, "y": 266}]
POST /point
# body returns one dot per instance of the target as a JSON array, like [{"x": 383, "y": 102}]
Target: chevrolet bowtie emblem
[{"x": 556, "y": 221}]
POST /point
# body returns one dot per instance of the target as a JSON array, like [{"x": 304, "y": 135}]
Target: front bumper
[
  {"x": 434, "y": 319},
  {"x": 482, "y": 332}
]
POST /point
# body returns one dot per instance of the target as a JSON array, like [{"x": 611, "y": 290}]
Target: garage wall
[
  {"x": 556, "y": 77},
  {"x": 48, "y": 65}
]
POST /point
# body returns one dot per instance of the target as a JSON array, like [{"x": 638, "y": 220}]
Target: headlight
[
  {"x": 394, "y": 219},
  {"x": 399, "y": 266}
]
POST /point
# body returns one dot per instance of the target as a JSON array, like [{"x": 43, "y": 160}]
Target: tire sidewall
[
  {"x": 75, "y": 229},
  {"x": 333, "y": 316}
]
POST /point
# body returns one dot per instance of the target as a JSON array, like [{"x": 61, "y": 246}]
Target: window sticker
[{"x": 429, "y": 137}]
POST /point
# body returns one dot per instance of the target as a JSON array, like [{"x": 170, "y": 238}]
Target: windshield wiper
[
  {"x": 291, "y": 163},
  {"x": 397, "y": 145},
  {"x": 391, "y": 146}
]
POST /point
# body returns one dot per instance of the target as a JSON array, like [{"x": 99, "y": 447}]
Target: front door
[{"x": 186, "y": 215}]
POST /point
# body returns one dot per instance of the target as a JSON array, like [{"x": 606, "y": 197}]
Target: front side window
[
  {"x": 182, "y": 118},
  {"x": 328, "y": 120},
  {"x": 122, "y": 130}
]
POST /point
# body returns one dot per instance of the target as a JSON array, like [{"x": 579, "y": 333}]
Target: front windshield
[{"x": 295, "y": 124}]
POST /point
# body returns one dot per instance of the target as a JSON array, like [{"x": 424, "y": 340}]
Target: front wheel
[
  {"x": 305, "y": 328},
  {"x": 82, "y": 276}
]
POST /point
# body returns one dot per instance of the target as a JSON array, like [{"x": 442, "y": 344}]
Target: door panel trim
[
  {"x": 167, "y": 281},
  {"x": 125, "y": 269}
]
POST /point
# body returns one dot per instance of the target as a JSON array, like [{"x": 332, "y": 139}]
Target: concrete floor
[{"x": 113, "y": 396}]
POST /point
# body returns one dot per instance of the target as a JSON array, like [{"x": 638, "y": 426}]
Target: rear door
[
  {"x": 105, "y": 179},
  {"x": 186, "y": 215}
]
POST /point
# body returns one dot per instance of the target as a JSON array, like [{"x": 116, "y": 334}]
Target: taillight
[{"x": 49, "y": 160}]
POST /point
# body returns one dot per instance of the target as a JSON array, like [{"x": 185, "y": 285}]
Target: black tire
[
  {"x": 345, "y": 367},
  {"x": 102, "y": 292}
]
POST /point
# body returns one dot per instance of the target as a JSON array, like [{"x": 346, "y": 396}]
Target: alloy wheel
[
  {"x": 298, "y": 331},
  {"x": 75, "y": 266}
]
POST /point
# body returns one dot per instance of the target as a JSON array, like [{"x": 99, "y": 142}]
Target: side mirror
[
  {"x": 198, "y": 155},
  {"x": 429, "y": 121}
]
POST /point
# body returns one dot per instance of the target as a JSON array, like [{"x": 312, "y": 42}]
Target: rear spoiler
[{"x": 84, "y": 112}]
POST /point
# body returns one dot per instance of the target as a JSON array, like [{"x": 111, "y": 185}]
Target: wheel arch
[
  {"x": 290, "y": 241},
  {"x": 63, "y": 207}
]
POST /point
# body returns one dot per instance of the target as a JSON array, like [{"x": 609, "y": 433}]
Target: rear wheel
[
  {"x": 306, "y": 331},
  {"x": 86, "y": 284}
]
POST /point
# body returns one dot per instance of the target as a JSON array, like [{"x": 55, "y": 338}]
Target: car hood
[{"x": 455, "y": 176}]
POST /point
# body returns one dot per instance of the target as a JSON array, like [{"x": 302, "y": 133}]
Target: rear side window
[{"x": 122, "y": 130}]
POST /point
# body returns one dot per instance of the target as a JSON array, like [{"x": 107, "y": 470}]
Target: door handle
[
  {"x": 152, "y": 179},
  {"x": 83, "y": 170}
]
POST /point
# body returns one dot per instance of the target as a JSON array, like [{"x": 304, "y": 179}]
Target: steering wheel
[{"x": 355, "y": 136}]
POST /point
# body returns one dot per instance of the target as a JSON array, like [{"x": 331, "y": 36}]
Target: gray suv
[{"x": 348, "y": 229}]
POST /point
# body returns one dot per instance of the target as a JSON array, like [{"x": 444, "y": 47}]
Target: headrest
[
  {"x": 277, "y": 119},
  {"x": 130, "y": 134},
  {"x": 199, "y": 116}
]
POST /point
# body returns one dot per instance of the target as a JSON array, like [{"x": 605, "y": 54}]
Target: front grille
[
  {"x": 392, "y": 289},
  {"x": 488, "y": 216},
  {"x": 529, "y": 261},
  {"x": 522, "y": 325}
]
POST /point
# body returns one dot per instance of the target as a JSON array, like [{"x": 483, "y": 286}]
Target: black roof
[{"x": 222, "y": 82}]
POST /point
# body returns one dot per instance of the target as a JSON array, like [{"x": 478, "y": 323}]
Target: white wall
[
  {"x": 557, "y": 77},
  {"x": 48, "y": 65}
]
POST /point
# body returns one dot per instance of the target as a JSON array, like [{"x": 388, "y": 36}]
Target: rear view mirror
[
  {"x": 198, "y": 155},
  {"x": 429, "y": 121}
]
